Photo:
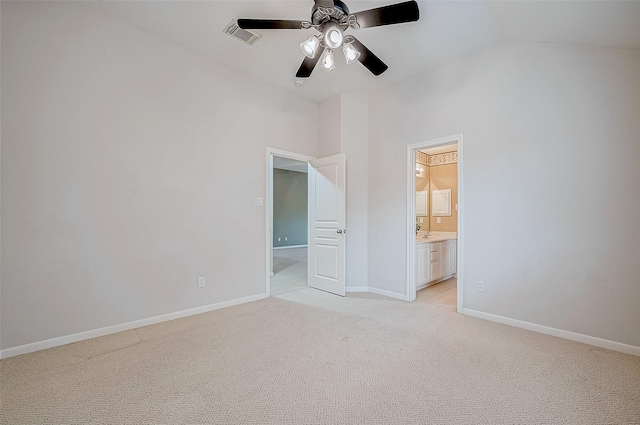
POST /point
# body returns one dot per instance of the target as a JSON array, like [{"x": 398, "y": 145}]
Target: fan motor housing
[{"x": 321, "y": 15}]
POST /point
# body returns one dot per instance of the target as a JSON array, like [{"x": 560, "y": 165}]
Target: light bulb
[
  {"x": 310, "y": 47},
  {"x": 350, "y": 53},
  {"x": 327, "y": 60},
  {"x": 333, "y": 37}
]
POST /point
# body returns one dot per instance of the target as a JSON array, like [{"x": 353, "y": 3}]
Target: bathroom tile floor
[
  {"x": 444, "y": 293},
  {"x": 290, "y": 270}
]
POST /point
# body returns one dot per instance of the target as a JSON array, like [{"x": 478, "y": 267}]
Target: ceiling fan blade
[
  {"x": 308, "y": 64},
  {"x": 270, "y": 24},
  {"x": 388, "y": 15},
  {"x": 368, "y": 59}
]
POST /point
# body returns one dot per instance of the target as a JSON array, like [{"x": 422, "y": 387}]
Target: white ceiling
[{"x": 446, "y": 29}]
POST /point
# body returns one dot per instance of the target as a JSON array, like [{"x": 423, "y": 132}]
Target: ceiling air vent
[{"x": 248, "y": 37}]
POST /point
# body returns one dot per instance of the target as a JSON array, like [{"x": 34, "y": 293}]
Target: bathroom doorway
[{"x": 434, "y": 222}]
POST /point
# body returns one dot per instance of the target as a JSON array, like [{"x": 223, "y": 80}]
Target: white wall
[
  {"x": 552, "y": 200},
  {"x": 129, "y": 168},
  {"x": 330, "y": 117},
  {"x": 344, "y": 121},
  {"x": 354, "y": 141},
  {"x": 0, "y": 192}
]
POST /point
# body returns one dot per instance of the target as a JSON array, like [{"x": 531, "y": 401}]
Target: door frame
[
  {"x": 411, "y": 215},
  {"x": 271, "y": 152}
]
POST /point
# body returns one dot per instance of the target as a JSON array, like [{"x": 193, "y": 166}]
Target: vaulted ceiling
[{"x": 446, "y": 29}]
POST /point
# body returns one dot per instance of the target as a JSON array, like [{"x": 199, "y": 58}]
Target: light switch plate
[{"x": 258, "y": 202}]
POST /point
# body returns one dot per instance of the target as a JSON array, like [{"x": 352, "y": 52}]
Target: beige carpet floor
[{"x": 308, "y": 357}]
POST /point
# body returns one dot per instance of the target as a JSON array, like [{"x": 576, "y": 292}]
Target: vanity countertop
[{"x": 435, "y": 236}]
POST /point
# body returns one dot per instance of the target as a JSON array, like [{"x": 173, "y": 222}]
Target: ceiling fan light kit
[
  {"x": 333, "y": 37},
  {"x": 332, "y": 18},
  {"x": 327, "y": 61},
  {"x": 350, "y": 53},
  {"x": 310, "y": 47}
]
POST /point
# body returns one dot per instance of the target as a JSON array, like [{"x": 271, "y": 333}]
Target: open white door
[{"x": 326, "y": 224}]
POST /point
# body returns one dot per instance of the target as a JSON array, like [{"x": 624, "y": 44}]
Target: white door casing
[
  {"x": 327, "y": 218},
  {"x": 458, "y": 267}
]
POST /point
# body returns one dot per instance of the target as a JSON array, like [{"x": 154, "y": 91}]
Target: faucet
[{"x": 426, "y": 235}]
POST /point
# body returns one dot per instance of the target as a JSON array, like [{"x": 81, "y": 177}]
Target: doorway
[
  {"x": 325, "y": 222},
  {"x": 287, "y": 222},
  {"x": 434, "y": 220}
]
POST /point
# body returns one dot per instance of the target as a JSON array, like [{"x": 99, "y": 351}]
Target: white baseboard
[
  {"x": 290, "y": 246},
  {"x": 433, "y": 282},
  {"x": 390, "y": 294},
  {"x": 81, "y": 336},
  {"x": 573, "y": 336},
  {"x": 356, "y": 289}
]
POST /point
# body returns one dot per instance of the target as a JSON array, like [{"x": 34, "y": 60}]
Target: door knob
[{"x": 339, "y": 231}]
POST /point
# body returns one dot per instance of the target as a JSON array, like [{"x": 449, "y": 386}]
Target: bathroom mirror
[{"x": 422, "y": 196}]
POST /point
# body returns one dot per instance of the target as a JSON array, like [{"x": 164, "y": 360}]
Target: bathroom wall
[{"x": 290, "y": 206}]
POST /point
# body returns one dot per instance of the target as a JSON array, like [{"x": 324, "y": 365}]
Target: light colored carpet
[
  {"x": 308, "y": 357},
  {"x": 290, "y": 270}
]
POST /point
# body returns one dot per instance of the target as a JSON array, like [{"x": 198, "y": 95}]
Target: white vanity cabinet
[
  {"x": 423, "y": 271},
  {"x": 435, "y": 261},
  {"x": 447, "y": 258}
]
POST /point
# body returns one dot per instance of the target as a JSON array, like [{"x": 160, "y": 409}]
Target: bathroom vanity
[{"x": 435, "y": 258}]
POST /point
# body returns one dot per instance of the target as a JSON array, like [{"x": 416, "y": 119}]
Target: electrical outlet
[
  {"x": 279, "y": 240},
  {"x": 201, "y": 282},
  {"x": 285, "y": 238},
  {"x": 480, "y": 286},
  {"x": 258, "y": 202}
]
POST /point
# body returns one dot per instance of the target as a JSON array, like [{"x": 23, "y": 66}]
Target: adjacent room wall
[
  {"x": 555, "y": 243},
  {"x": 290, "y": 204},
  {"x": 129, "y": 169}
]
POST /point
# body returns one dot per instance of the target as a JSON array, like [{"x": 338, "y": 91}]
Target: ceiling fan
[{"x": 332, "y": 18}]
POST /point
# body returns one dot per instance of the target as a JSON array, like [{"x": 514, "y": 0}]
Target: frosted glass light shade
[
  {"x": 350, "y": 53},
  {"x": 310, "y": 47},
  {"x": 333, "y": 38},
  {"x": 327, "y": 61}
]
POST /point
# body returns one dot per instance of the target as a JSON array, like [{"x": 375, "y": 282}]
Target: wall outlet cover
[
  {"x": 201, "y": 282},
  {"x": 480, "y": 286}
]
